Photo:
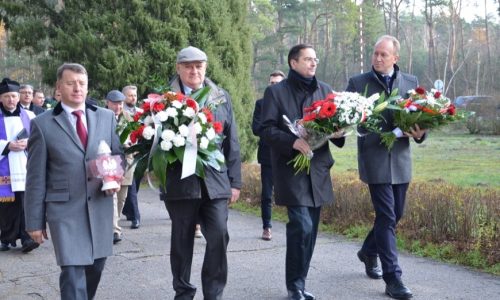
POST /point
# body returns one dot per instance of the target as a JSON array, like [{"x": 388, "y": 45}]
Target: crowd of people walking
[{"x": 47, "y": 187}]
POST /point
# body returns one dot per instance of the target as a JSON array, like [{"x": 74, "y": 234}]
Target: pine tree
[{"x": 136, "y": 41}]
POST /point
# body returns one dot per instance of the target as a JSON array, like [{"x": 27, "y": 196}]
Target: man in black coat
[
  {"x": 194, "y": 199},
  {"x": 264, "y": 159},
  {"x": 26, "y": 99},
  {"x": 304, "y": 193},
  {"x": 387, "y": 173}
]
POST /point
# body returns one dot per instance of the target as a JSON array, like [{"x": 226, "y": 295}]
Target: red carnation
[
  {"x": 146, "y": 106},
  {"x": 136, "y": 134},
  {"x": 452, "y": 110},
  {"x": 158, "y": 106},
  {"x": 191, "y": 103},
  {"x": 208, "y": 114},
  {"x": 217, "y": 127},
  {"x": 437, "y": 94},
  {"x": 420, "y": 90},
  {"x": 180, "y": 96},
  {"x": 327, "y": 110},
  {"x": 310, "y": 117},
  {"x": 137, "y": 116}
]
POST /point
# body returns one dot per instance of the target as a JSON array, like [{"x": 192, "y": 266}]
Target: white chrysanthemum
[
  {"x": 197, "y": 128},
  {"x": 183, "y": 130},
  {"x": 210, "y": 134},
  {"x": 166, "y": 145},
  {"x": 202, "y": 118},
  {"x": 148, "y": 132},
  {"x": 179, "y": 141},
  {"x": 167, "y": 135},
  {"x": 162, "y": 116},
  {"x": 171, "y": 112},
  {"x": 204, "y": 143},
  {"x": 189, "y": 112},
  {"x": 176, "y": 104}
]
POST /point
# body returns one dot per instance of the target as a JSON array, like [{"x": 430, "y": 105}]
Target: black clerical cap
[{"x": 8, "y": 85}]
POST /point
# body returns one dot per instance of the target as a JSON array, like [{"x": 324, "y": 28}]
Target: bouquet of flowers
[
  {"x": 324, "y": 119},
  {"x": 175, "y": 128},
  {"x": 427, "y": 109}
]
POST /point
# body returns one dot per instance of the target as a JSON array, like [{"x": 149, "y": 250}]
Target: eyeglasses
[
  {"x": 311, "y": 59},
  {"x": 26, "y": 93}
]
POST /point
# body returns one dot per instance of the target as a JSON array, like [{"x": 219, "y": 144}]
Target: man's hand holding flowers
[
  {"x": 418, "y": 113},
  {"x": 327, "y": 119}
]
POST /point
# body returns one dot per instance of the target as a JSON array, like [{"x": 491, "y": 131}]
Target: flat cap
[
  {"x": 115, "y": 96},
  {"x": 190, "y": 54},
  {"x": 8, "y": 85}
]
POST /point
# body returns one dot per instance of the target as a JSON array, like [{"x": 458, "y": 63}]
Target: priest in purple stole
[{"x": 14, "y": 132}]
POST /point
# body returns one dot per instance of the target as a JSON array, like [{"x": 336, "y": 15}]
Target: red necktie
[{"x": 80, "y": 128}]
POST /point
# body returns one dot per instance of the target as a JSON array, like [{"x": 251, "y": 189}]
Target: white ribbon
[{"x": 190, "y": 153}]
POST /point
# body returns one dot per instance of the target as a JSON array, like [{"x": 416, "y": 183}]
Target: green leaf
[
  {"x": 201, "y": 96},
  {"x": 160, "y": 166},
  {"x": 179, "y": 152},
  {"x": 200, "y": 169}
]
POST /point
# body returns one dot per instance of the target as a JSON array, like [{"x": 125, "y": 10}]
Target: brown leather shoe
[{"x": 266, "y": 234}]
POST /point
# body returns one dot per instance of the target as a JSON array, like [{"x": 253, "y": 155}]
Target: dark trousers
[
  {"x": 212, "y": 215},
  {"x": 131, "y": 206},
  {"x": 266, "y": 198},
  {"x": 301, "y": 233},
  {"x": 80, "y": 282},
  {"x": 389, "y": 203}
]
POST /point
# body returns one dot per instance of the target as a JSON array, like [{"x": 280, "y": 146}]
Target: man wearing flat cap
[
  {"x": 194, "y": 199},
  {"x": 114, "y": 102},
  {"x": 14, "y": 131}
]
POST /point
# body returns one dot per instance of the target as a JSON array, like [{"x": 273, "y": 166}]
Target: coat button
[{"x": 88, "y": 198}]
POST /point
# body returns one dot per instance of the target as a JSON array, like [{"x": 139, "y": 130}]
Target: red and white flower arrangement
[
  {"x": 326, "y": 118},
  {"x": 175, "y": 128},
  {"x": 427, "y": 109}
]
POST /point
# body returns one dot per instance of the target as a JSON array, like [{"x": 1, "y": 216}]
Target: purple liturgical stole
[{"x": 6, "y": 194}]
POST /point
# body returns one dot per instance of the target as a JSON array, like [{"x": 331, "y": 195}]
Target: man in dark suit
[
  {"x": 206, "y": 199},
  {"x": 264, "y": 159},
  {"x": 387, "y": 173},
  {"x": 303, "y": 194},
  {"x": 61, "y": 190}
]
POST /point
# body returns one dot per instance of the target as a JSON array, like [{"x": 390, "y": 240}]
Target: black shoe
[
  {"x": 295, "y": 295},
  {"x": 29, "y": 245},
  {"x": 135, "y": 224},
  {"x": 371, "y": 265},
  {"x": 116, "y": 237},
  {"x": 397, "y": 290},
  {"x": 4, "y": 247},
  {"x": 13, "y": 244},
  {"x": 308, "y": 296}
]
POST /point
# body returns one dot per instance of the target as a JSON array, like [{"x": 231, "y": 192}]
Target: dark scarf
[{"x": 304, "y": 83}]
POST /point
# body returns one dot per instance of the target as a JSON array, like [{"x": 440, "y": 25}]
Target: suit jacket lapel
[
  {"x": 62, "y": 120},
  {"x": 91, "y": 127}
]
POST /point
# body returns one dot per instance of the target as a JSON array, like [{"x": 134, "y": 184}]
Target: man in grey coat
[
  {"x": 60, "y": 190},
  {"x": 303, "y": 194},
  {"x": 206, "y": 199},
  {"x": 387, "y": 172}
]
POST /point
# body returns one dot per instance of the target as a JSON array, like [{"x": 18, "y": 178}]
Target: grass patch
[{"x": 461, "y": 159}]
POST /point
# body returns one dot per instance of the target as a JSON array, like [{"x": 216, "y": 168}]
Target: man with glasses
[
  {"x": 26, "y": 99},
  {"x": 264, "y": 159},
  {"x": 304, "y": 193}
]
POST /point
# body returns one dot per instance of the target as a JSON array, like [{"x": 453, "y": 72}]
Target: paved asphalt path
[{"x": 140, "y": 267}]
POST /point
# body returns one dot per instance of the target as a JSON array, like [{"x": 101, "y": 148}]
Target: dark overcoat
[
  {"x": 376, "y": 164},
  {"x": 289, "y": 98}
]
